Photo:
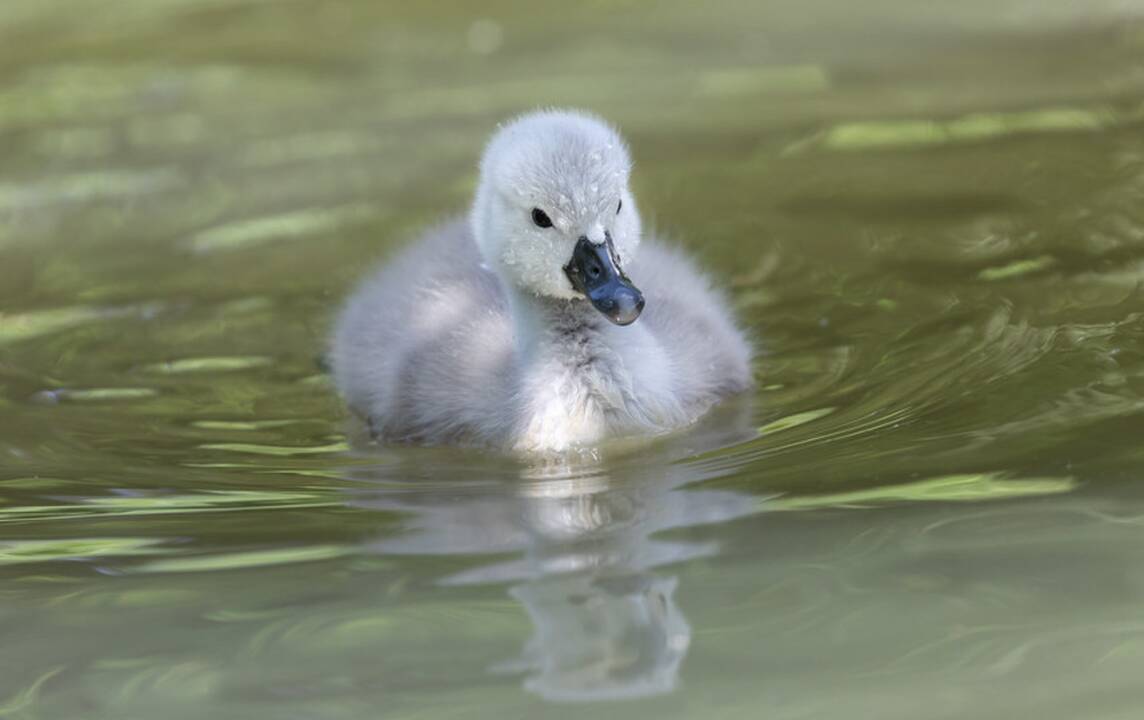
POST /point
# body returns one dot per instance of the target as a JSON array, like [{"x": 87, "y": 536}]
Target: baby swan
[{"x": 542, "y": 324}]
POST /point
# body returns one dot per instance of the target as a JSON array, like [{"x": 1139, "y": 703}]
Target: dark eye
[
  {"x": 620, "y": 207},
  {"x": 541, "y": 218}
]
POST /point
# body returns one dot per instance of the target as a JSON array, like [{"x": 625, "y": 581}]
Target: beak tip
[{"x": 626, "y": 308}]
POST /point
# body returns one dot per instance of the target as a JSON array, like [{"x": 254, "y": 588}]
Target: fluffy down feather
[{"x": 473, "y": 335}]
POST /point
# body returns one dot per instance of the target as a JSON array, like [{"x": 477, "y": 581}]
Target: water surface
[{"x": 930, "y": 217}]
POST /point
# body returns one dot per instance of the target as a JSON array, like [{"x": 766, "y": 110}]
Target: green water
[{"x": 930, "y": 217}]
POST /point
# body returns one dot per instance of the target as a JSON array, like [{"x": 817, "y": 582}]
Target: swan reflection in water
[{"x": 588, "y": 571}]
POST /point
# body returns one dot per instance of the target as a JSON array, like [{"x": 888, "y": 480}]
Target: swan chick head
[{"x": 553, "y": 214}]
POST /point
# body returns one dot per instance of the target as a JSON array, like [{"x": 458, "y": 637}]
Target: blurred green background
[{"x": 929, "y": 215}]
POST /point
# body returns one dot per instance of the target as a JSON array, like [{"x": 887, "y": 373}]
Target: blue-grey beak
[{"x": 594, "y": 271}]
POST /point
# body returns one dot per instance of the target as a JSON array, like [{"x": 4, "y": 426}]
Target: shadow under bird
[{"x": 543, "y": 322}]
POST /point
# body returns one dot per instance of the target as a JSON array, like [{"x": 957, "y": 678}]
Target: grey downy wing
[
  {"x": 694, "y": 324},
  {"x": 423, "y": 347}
]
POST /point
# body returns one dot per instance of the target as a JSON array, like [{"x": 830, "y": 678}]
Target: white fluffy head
[{"x": 571, "y": 166}]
